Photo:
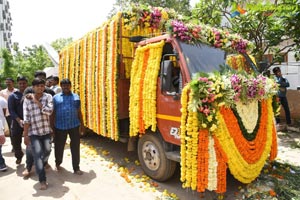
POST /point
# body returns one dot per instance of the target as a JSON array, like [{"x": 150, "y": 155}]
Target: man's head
[
  {"x": 38, "y": 85},
  {"x": 40, "y": 74},
  {"x": 65, "y": 85},
  {"x": 55, "y": 80},
  {"x": 22, "y": 83},
  {"x": 49, "y": 81},
  {"x": 9, "y": 82},
  {"x": 277, "y": 71}
]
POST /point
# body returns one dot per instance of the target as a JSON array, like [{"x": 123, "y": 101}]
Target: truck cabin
[{"x": 197, "y": 58}]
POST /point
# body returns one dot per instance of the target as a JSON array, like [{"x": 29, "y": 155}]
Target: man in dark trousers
[
  {"x": 9, "y": 82},
  {"x": 283, "y": 84},
  {"x": 67, "y": 120},
  {"x": 15, "y": 107}
]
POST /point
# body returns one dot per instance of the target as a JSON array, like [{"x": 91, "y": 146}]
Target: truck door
[{"x": 168, "y": 100}]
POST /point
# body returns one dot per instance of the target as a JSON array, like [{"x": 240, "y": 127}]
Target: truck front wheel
[{"x": 153, "y": 159}]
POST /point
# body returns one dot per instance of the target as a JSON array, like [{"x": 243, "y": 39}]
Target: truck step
[{"x": 173, "y": 155}]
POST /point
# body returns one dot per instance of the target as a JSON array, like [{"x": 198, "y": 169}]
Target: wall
[{"x": 293, "y": 99}]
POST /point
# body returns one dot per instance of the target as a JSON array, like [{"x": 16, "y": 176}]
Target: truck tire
[{"x": 153, "y": 159}]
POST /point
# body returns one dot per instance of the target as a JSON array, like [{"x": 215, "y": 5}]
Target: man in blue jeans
[
  {"x": 37, "y": 110},
  {"x": 67, "y": 120}
]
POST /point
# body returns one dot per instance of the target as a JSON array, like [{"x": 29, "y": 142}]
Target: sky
[
  {"x": 36, "y": 22},
  {"x": 44, "y": 21}
]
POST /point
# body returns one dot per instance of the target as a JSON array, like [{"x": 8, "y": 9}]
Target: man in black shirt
[{"x": 15, "y": 107}]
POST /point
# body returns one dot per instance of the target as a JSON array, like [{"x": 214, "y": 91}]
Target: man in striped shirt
[{"x": 37, "y": 110}]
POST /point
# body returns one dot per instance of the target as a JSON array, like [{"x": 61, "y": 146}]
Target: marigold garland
[
  {"x": 250, "y": 150},
  {"x": 184, "y": 103},
  {"x": 221, "y": 167},
  {"x": 144, "y": 73},
  {"x": 203, "y": 158},
  {"x": 241, "y": 169},
  {"x": 227, "y": 147},
  {"x": 274, "y": 148}
]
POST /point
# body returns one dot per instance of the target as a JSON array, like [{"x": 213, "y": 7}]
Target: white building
[{"x": 5, "y": 25}]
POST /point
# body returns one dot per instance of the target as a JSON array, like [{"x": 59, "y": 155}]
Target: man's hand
[
  {"x": 21, "y": 123},
  {"x": 26, "y": 140},
  {"x": 29, "y": 96},
  {"x": 82, "y": 130}
]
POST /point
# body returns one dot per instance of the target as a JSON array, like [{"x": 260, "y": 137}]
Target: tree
[
  {"x": 60, "y": 43},
  {"x": 24, "y": 62},
  {"x": 181, "y": 6},
  {"x": 269, "y": 25},
  {"x": 9, "y": 67}
]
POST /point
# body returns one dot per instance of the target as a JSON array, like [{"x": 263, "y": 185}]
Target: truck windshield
[{"x": 202, "y": 58}]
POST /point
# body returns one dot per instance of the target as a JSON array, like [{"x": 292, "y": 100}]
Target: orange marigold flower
[{"x": 272, "y": 193}]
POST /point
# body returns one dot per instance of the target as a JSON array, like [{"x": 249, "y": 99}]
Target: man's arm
[
  {"x": 26, "y": 121},
  {"x": 47, "y": 109},
  {"x": 12, "y": 108}
]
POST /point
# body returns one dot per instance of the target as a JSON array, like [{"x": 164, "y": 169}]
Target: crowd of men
[{"x": 41, "y": 114}]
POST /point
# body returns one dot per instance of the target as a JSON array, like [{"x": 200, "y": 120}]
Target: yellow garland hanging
[
  {"x": 102, "y": 83},
  {"x": 93, "y": 85},
  {"x": 189, "y": 143},
  {"x": 144, "y": 73},
  {"x": 184, "y": 103},
  {"x": 82, "y": 80}
]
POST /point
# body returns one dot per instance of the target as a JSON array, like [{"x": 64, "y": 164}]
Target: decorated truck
[{"x": 176, "y": 92}]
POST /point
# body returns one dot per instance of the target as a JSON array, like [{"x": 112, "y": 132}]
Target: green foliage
[
  {"x": 9, "y": 68},
  {"x": 267, "y": 24},
  {"x": 24, "y": 62},
  {"x": 60, "y": 43}
]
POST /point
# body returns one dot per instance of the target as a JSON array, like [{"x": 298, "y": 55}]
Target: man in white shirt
[
  {"x": 3, "y": 109},
  {"x": 55, "y": 84},
  {"x": 9, "y": 82}
]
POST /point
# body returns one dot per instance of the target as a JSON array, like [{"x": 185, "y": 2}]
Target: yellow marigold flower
[
  {"x": 221, "y": 104},
  {"x": 164, "y": 15},
  {"x": 204, "y": 125},
  {"x": 213, "y": 128},
  {"x": 209, "y": 118}
]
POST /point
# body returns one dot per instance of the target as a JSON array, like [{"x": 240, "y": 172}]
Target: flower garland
[
  {"x": 274, "y": 148},
  {"x": 250, "y": 150},
  {"x": 243, "y": 112},
  {"x": 226, "y": 145},
  {"x": 147, "y": 17},
  {"x": 238, "y": 62},
  {"x": 201, "y": 33},
  {"x": 222, "y": 160},
  {"x": 203, "y": 160},
  {"x": 212, "y": 91},
  {"x": 143, "y": 78},
  {"x": 183, "y": 129},
  {"x": 102, "y": 79},
  {"x": 248, "y": 124},
  {"x": 93, "y": 120},
  {"x": 239, "y": 167},
  {"x": 212, "y": 165},
  {"x": 88, "y": 94},
  {"x": 82, "y": 79},
  {"x": 111, "y": 82}
]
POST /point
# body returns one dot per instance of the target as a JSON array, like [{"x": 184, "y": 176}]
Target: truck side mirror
[{"x": 166, "y": 75}]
